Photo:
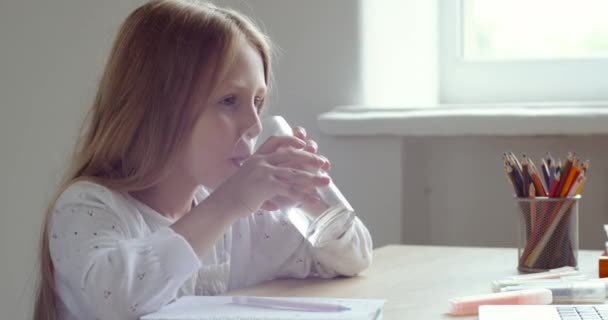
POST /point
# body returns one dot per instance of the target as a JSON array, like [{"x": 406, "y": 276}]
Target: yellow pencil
[{"x": 580, "y": 185}]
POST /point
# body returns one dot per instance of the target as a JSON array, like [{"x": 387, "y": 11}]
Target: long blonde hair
[{"x": 142, "y": 112}]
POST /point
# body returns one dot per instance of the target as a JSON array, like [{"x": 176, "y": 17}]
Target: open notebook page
[{"x": 222, "y": 308}]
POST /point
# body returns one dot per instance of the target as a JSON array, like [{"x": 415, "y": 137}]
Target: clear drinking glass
[{"x": 319, "y": 223}]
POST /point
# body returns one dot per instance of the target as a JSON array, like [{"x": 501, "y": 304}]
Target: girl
[{"x": 157, "y": 204}]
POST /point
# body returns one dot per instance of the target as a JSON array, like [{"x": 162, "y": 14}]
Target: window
[
  {"x": 523, "y": 51},
  {"x": 539, "y": 29}
]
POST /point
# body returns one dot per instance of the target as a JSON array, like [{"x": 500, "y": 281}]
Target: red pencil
[{"x": 553, "y": 188}]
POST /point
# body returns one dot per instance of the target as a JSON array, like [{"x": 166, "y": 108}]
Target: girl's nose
[
  {"x": 254, "y": 130},
  {"x": 251, "y": 123}
]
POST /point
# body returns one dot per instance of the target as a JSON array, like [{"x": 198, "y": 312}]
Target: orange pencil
[{"x": 572, "y": 176}]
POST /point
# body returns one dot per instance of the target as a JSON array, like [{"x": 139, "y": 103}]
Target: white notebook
[{"x": 223, "y": 308}]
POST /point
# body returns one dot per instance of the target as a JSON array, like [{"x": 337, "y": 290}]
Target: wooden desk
[{"x": 417, "y": 281}]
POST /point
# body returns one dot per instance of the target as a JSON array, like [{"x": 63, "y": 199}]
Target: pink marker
[{"x": 470, "y": 304}]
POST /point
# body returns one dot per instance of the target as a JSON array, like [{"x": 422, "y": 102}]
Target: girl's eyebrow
[{"x": 241, "y": 85}]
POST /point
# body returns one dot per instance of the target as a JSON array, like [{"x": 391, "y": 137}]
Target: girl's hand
[
  {"x": 311, "y": 146},
  {"x": 274, "y": 171}
]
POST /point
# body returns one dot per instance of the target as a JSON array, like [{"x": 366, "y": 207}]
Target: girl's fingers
[
  {"x": 299, "y": 186},
  {"x": 299, "y": 132},
  {"x": 293, "y": 157},
  {"x": 327, "y": 164},
  {"x": 274, "y": 143},
  {"x": 311, "y": 146},
  {"x": 307, "y": 165},
  {"x": 306, "y": 180},
  {"x": 298, "y": 142}
]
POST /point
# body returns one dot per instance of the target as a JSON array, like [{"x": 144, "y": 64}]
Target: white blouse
[{"x": 116, "y": 258}]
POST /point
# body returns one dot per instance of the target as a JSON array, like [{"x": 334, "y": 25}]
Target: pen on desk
[
  {"x": 497, "y": 285},
  {"x": 278, "y": 303},
  {"x": 585, "y": 291}
]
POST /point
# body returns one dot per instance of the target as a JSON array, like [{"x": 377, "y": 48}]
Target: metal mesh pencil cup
[{"x": 548, "y": 233}]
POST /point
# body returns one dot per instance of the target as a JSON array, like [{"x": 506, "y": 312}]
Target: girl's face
[{"x": 210, "y": 156}]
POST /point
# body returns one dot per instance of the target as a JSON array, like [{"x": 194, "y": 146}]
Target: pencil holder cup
[{"x": 548, "y": 233}]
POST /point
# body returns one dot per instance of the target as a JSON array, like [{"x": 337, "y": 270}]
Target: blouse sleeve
[
  {"x": 346, "y": 256},
  {"x": 104, "y": 269},
  {"x": 276, "y": 250}
]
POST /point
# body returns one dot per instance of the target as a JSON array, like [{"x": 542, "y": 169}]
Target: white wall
[{"x": 51, "y": 54}]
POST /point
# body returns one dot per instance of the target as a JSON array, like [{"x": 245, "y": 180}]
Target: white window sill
[{"x": 588, "y": 118}]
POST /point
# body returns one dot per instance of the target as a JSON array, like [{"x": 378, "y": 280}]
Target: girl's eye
[{"x": 228, "y": 101}]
